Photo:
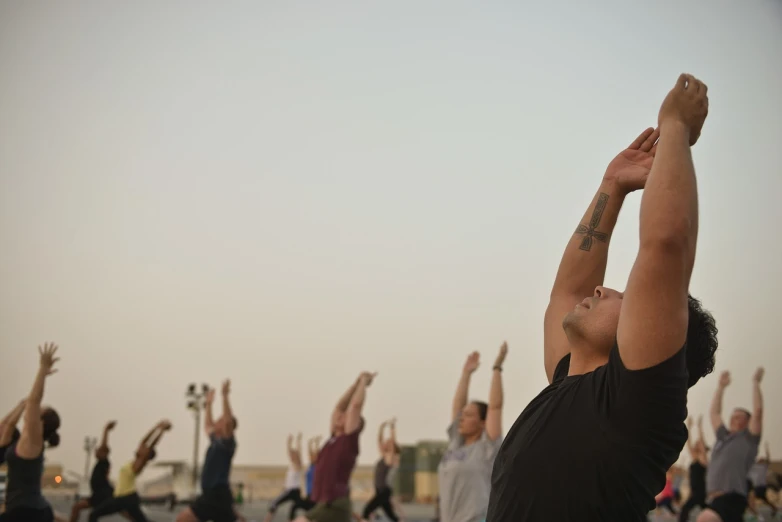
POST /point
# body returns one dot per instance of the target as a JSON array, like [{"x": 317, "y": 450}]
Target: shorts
[
  {"x": 730, "y": 507},
  {"x": 23, "y": 514},
  {"x": 215, "y": 504},
  {"x": 340, "y": 510}
]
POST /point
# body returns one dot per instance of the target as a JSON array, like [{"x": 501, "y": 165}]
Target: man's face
[
  {"x": 739, "y": 420},
  {"x": 596, "y": 318}
]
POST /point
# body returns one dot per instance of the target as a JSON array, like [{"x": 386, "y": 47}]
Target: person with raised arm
[
  {"x": 126, "y": 499},
  {"x": 384, "y": 473},
  {"x": 597, "y": 442},
  {"x": 337, "y": 458},
  {"x": 100, "y": 486},
  {"x": 474, "y": 438},
  {"x": 24, "y": 501},
  {"x": 758, "y": 477},
  {"x": 216, "y": 502},
  {"x": 733, "y": 455},
  {"x": 292, "y": 487},
  {"x": 699, "y": 453},
  {"x": 9, "y": 433}
]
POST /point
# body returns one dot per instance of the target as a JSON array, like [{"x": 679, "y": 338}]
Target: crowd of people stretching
[{"x": 595, "y": 445}]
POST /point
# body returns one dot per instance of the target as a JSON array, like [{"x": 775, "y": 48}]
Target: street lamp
[
  {"x": 89, "y": 446},
  {"x": 196, "y": 399}
]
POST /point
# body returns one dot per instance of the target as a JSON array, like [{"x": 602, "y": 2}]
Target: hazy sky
[{"x": 288, "y": 193}]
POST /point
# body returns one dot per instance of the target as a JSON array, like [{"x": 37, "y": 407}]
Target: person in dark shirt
[
  {"x": 100, "y": 487},
  {"x": 699, "y": 453},
  {"x": 9, "y": 433},
  {"x": 337, "y": 458},
  {"x": 216, "y": 502},
  {"x": 24, "y": 501},
  {"x": 611, "y": 423}
]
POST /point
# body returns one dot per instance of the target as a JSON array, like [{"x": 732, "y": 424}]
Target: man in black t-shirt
[
  {"x": 100, "y": 487},
  {"x": 596, "y": 443}
]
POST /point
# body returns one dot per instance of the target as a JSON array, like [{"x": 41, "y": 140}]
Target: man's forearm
[
  {"x": 357, "y": 400},
  {"x": 104, "y": 441},
  {"x": 716, "y": 402},
  {"x": 209, "y": 420},
  {"x": 227, "y": 411},
  {"x": 583, "y": 264},
  {"x": 344, "y": 401},
  {"x": 757, "y": 399}
]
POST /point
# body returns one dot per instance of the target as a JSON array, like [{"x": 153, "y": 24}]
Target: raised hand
[
  {"x": 501, "y": 356},
  {"x": 47, "y": 358},
  {"x": 759, "y": 375},
  {"x": 392, "y": 422},
  {"x": 111, "y": 425},
  {"x": 227, "y": 387},
  {"x": 299, "y": 437},
  {"x": 210, "y": 396},
  {"x": 368, "y": 377},
  {"x": 689, "y": 423},
  {"x": 700, "y": 421},
  {"x": 630, "y": 168},
  {"x": 686, "y": 104},
  {"x": 724, "y": 379},
  {"x": 290, "y": 440},
  {"x": 472, "y": 362},
  {"x": 165, "y": 425}
]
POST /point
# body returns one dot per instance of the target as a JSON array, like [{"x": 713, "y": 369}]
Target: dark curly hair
[{"x": 701, "y": 341}]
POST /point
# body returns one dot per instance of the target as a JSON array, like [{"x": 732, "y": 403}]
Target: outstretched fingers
[{"x": 641, "y": 139}]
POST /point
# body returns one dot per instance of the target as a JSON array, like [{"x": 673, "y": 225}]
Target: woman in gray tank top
[
  {"x": 384, "y": 473},
  {"x": 24, "y": 501}
]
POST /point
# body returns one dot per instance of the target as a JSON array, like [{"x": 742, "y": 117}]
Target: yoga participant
[
  {"x": 24, "y": 501},
  {"x": 331, "y": 490},
  {"x": 216, "y": 502},
  {"x": 292, "y": 488},
  {"x": 474, "y": 437},
  {"x": 384, "y": 473},
  {"x": 758, "y": 476},
  {"x": 596, "y": 443},
  {"x": 665, "y": 498},
  {"x": 700, "y": 461},
  {"x": 313, "y": 445},
  {"x": 126, "y": 497},
  {"x": 102, "y": 490},
  {"x": 733, "y": 455},
  {"x": 9, "y": 433}
]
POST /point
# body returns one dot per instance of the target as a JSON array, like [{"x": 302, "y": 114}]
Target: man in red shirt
[{"x": 337, "y": 458}]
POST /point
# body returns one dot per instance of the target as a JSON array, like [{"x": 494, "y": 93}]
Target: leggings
[
  {"x": 382, "y": 499},
  {"x": 694, "y": 500},
  {"x": 291, "y": 495},
  {"x": 130, "y": 504}
]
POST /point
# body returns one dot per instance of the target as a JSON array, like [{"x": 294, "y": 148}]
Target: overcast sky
[{"x": 288, "y": 193}]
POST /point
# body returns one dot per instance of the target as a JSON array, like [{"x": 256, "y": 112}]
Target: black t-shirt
[
  {"x": 698, "y": 479},
  {"x": 593, "y": 447},
  {"x": 99, "y": 481}
]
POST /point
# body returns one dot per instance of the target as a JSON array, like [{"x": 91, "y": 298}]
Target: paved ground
[{"x": 256, "y": 511}]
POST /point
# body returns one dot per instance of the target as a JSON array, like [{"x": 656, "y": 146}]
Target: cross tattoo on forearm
[{"x": 589, "y": 231}]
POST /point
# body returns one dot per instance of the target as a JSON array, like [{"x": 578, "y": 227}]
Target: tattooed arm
[{"x": 583, "y": 264}]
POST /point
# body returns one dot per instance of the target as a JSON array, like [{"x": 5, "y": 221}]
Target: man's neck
[{"x": 584, "y": 360}]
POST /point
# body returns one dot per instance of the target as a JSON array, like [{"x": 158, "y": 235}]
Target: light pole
[
  {"x": 89, "y": 446},
  {"x": 195, "y": 402}
]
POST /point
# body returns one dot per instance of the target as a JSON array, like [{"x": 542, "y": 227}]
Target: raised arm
[
  {"x": 392, "y": 431},
  {"x": 342, "y": 404},
  {"x": 103, "y": 450},
  {"x": 715, "y": 412},
  {"x": 209, "y": 420},
  {"x": 30, "y": 443},
  {"x": 381, "y": 437},
  {"x": 583, "y": 264},
  {"x": 228, "y": 413},
  {"x": 147, "y": 447},
  {"x": 9, "y": 422},
  {"x": 463, "y": 388},
  {"x": 494, "y": 412},
  {"x": 654, "y": 316},
  {"x": 756, "y": 421},
  {"x": 356, "y": 406}
]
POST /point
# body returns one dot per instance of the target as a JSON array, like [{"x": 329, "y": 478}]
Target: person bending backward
[
  {"x": 292, "y": 489},
  {"x": 24, "y": 501},
  {"x": 216, "y": 502},
  {"x": 611, "y": 422},
  {"x": 100, "y": 486},
  {"x": 337, "y": 458},
  {"x": 700, "y": 461},
  {"x": 758, "y": 476},
  {"x": 126, "y": 497},
  {"x": 385, "y": 469},
  {"x": 474, "y": 437},
  {"x": 733, "y": 455}
]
